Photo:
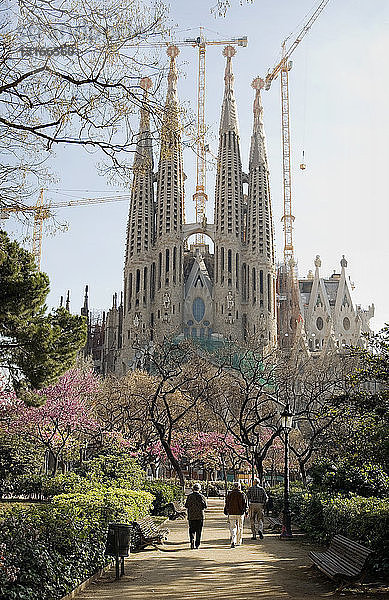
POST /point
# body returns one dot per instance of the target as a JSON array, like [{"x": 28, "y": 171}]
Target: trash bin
[
  {"x": 118, "y": 543},
  {"x": 118, "y": 539}
]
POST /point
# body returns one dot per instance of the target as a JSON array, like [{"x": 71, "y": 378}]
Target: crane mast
[
  {"x": 287, "y": 280},
  {"x": 287, "y": 218},
  {"x": 200, "y": 197},
  {"x": 283, "y": 67}
]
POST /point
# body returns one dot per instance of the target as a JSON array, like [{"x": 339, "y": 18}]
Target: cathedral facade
[
  {"x": 224, "y": 289},
  {"x": 172, "y": 288}
]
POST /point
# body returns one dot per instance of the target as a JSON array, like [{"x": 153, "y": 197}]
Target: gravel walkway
[{"x": 259, "y": 569}]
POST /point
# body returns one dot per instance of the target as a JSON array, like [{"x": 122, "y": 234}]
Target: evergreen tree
[{"x": 35, "y": 347}]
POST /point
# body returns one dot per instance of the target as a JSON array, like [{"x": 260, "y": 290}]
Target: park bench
[
  {"x": 275, "y": 523},
  {"x": 344, "y": 561},
  {"x": 175, "y": 510},
  {"x": 145, "y": 533}
]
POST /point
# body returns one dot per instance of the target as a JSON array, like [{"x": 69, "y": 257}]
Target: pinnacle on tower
[
  {"x": 229, "y": 121},
  {"x": 85, "y": 308},
  {"x": 170, "y": 189},
  {"x": 144, "y": 153},
  {"x": 259, "y": 229},
  {"x": 258, "y": 140},
  {"x": 140, "y": 229},
  {"x": 171, "y": 122},
  {"x": 229, "y": 190}
]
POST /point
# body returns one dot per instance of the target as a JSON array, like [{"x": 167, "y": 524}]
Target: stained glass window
[{"x": 198, "y": 309}]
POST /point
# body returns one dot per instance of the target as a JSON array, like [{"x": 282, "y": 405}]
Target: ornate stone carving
[{"x": 166, "y": 300}]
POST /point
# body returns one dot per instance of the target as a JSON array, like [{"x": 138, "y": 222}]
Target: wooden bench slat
[
  {"x": 334, "y": 565},
  {"x": 344, "y": 558},
  {"x": 145, "y": 532}
]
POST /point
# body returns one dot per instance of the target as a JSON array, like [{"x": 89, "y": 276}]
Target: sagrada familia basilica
[{"x": 224, "y": 290}]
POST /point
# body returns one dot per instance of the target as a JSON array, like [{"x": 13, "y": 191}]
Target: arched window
[{"x": 198, "y": 309}]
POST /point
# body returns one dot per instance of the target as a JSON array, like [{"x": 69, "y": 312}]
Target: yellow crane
[
  {"x": 289, "y": 310},
  {"x": 283, "y": 67},
  {"x": 200, "y": 42},
  {"x": 42, "y": 211}
]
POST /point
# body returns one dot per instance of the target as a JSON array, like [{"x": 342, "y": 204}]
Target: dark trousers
[{"x": 195, "y": 529}]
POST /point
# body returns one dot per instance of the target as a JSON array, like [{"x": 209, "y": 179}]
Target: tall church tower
[
  {"x": 259, "y": 274},
  {"x": 228, "y": 285},
  {"x": 167, "y": 266},
  {"x": 140, "y": 237}
]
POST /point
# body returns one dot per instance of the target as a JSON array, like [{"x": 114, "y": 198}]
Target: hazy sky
[{"x": 339, "y": 95}]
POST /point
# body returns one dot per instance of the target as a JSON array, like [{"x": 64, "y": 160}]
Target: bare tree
[
  {"x": 69, "y": 74},
  {"x": 255, "y": 388}
]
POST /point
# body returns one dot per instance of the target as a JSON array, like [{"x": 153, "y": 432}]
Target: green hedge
[
  {"x": 47, "y": 550},
  {"x": 109, "y": 468},
  {"x": 43, "y": 486},
  {"x": 163, "y": 493},
  {"x": 321, "y": 516},
  {"x": 344, "y": 476}
]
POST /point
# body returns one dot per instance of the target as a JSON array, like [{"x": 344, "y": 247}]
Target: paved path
[{"x": 259, "y": 569}]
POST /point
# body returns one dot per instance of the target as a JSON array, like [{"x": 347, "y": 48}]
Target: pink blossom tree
[{"x": 62, "y": 422}]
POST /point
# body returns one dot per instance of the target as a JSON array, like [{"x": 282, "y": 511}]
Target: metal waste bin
[{"x": 118, "y": 543}]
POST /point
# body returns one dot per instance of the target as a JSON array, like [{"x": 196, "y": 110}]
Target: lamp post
[{"x": 287, "y": 424}]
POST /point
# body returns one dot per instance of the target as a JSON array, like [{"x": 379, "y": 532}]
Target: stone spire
[
  {"x": 229, "y": 216},
  {"x": 140, "y": 232},
  {"x": 85, "y": 308},
  {"x": 229, "y": 120},
  {"x": 167, "y": 266},
  {"x": 259, "y": 234},
  {"x": 170, "y": 194},
  {"x": 258, "y": 141},
  {"x": 144, "y": 151},
  {"x": 229, "y": 191}
]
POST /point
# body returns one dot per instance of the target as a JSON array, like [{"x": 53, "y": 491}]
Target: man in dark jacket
[
  {"x": 195, "y": 505},
  {"x": 236, "y": 507}
]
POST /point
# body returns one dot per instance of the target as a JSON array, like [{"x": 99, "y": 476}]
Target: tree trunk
[
  {"x": 224, "y": 474},
  {"x": 174, "y": 462},
  {"x": 259, "y": 465},
  {"x": 303, "y": 473},
  {"x": 55, "y": 464}
]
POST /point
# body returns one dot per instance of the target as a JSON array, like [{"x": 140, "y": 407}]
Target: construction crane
[
  {"x": 42, "y": 211},
  {"x": 287, "y": 285},
  {"x": 200, "y": 42},
  {"x": 283, "y": 67}
]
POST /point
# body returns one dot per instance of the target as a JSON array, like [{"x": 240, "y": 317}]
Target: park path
[{"x": 259, "y": 569}]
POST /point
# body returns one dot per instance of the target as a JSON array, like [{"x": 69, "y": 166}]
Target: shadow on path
[{"x": 260, "y": 570}]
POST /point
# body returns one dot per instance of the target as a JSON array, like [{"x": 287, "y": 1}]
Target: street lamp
[{"x": 286, "y": 424}]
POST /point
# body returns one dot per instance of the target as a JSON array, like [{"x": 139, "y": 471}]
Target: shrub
[
  {"x": 50, "y": 549},
  {"x": 47, "y": 486},
  {"x": 109, "y": 468},
  {"x": 322, "y": 515},
  {"x": 365, "y": 520},
  {"x": 343, "y": 476},
  {"x": 163, "y": 493}
]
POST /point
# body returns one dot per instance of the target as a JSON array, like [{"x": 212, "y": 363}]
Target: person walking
[
  {"x": 257, "y": 498},
  {"x": 195, "y": 505},
  {"x": 236, "y": 507}
]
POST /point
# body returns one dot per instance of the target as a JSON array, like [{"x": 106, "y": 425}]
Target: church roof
[{"x": 198, "y": 271}]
